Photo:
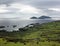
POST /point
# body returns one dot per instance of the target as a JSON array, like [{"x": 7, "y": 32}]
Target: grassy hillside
[{"x": 47, "y": 34}]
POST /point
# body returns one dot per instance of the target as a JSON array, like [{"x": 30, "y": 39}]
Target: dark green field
[{"x": 47, "y": 34}]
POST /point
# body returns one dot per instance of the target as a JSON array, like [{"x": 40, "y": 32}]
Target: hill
[
  {"x": 33, "y": 18},
  {"x": 42, "y": 17},
  {"x": 47, "y": 34}
]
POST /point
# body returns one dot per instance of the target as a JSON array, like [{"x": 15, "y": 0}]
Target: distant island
[
  {"x": 42, "y": 17},
  {"x": 33, "y": 17}
]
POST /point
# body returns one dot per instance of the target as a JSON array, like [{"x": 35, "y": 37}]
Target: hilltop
[
  {"x": 41, "y": 17},
  {"x": 44, "y": 17}
]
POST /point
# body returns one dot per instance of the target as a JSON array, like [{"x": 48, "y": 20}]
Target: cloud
[
  {"x": 17, "y": 7},
  {"x": 28, "y": 8},
  {"x": 2, "y": 9},
  {"x": 55, "y": 9},
  {"x": 53, "y": 12},
  {"x": 36, "y": 3},
  {"x": 24, "y": 8},
  {"x": 19, "y": 10}
]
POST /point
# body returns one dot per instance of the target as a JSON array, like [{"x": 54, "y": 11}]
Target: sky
[{"x": 24, "y": 9}]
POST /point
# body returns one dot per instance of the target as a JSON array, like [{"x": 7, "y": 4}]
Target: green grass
[
  {"x": 46, "y": 43},
  {"x": 48, "y": 33}
]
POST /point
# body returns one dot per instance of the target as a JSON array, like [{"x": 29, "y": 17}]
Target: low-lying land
[{"x": 47, "y": 34}]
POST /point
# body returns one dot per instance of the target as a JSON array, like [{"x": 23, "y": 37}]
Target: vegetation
[{"x": 47, "y": 34}]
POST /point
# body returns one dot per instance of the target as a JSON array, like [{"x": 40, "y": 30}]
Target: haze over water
[{"x": 19, "y": 23}]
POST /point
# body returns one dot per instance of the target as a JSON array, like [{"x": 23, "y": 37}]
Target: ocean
[{"x": 9, "y": 23}]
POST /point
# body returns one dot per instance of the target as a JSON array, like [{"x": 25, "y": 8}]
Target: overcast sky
[{"x": 26, "y": 8}]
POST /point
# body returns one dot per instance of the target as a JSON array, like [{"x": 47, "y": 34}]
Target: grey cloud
[
  {"x": 5, "y": 1},
  {"x": 41, "y": 4},
  {"x": 35, "y": 3},
  {"x": 46, "y": 4},
  {"x": 10, "y": 10},
  {"x": 10, "y": 1},
  {"x": 51, "y": 13}
]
